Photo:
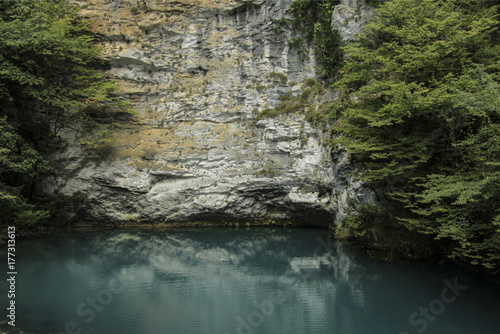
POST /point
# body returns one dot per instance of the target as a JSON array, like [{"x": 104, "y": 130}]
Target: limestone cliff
[
  {"x": 197, "y": 72},
  {"x": 350, "y": 16}
]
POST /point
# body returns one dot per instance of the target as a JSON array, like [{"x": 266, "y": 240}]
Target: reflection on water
[{"x": 233, "y": 281}]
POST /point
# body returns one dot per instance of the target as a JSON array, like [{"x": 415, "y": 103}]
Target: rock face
[
  {"x": 197, "y": 73},
  {"x": 350, "y": 17}
]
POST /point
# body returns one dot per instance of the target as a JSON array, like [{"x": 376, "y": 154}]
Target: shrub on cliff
[{"x": 313, "y": 20}]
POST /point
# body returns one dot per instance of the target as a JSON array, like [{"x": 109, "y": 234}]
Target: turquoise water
[{"x": 238, "y": 281}]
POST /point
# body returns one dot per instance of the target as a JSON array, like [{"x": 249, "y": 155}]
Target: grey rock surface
[
  {"x": 197, "y": 74},
  {"x": 350, "y": 17}
]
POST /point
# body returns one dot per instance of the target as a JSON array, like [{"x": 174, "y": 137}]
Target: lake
[{"x": 238, "y": 281}]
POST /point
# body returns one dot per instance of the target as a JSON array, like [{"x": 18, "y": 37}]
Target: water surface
[{"x": 239, "y": 281}]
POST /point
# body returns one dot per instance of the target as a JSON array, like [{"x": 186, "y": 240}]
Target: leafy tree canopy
[
  {"x": 47, "y": 65},
  {"x": 48, "y": 81},
  {"x": 421, "y": 108}
]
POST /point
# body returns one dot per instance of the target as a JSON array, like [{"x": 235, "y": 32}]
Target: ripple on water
[{"x": 212, "y": 282}]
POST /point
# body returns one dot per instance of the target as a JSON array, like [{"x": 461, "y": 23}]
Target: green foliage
[
  {"x": 421, "y": 109},
  {"x": 145, "y": 29},
  {"x": 279, "y": 25},
  {"x": 134, "y": 10},
  {"x": 284, "y": 108},
  {"x": 375, "y": 3},
  {"x": 49, "y": 80},
  {"x": 48, "y": 76},
  {"x": 313, "y": 20},
  {"x": 302, "y": 102},
  {"x": 16, "y": 210},
  {"x": 266, "y": 113},
  {"x": 260, "y": 88},
  {"x": 309, "y": 82},
  {"x": 306, "y": 102},
  {"x": 64, "y": 209},
  {"x": 16, "y": 156},
  {"x": 278, "y": 77},
  {"x": 373, "y": 225},
  {"x": 367, "y": 222},
  {"x": 19, "y": 165},
  {"x": 297, "y": 43},
  {"x": 97, "y": 135}
]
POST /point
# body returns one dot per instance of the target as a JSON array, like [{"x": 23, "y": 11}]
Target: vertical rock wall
[{"x": 197, "y": 73}]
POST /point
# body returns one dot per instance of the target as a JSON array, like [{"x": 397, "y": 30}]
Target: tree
[
  {"x": 19, "y": 161},
  {"x": 421, "y": 108},
  {"x": 49, "y": 80},
  {"x": 48, "y": 60}
]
